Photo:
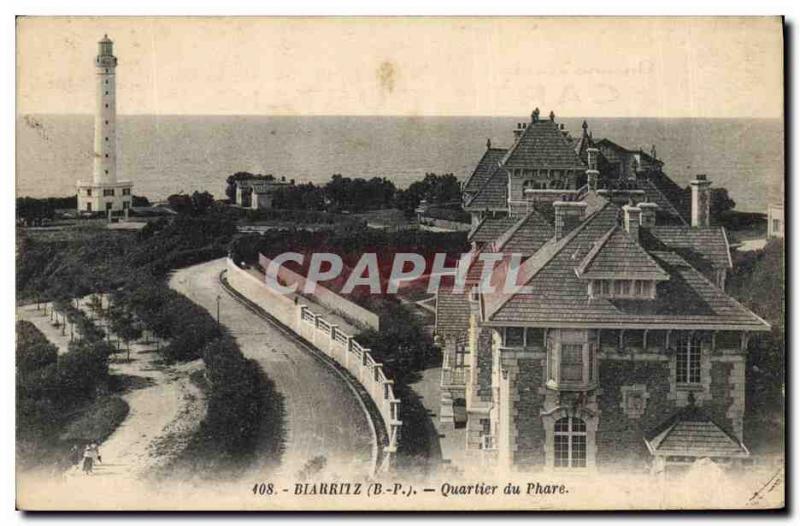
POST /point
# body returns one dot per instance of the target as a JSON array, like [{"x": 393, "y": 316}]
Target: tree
[
  {"x": 720, "y": 202},
  {"x": 126, "y": 328},
  {"x": 95, "y": 305}
]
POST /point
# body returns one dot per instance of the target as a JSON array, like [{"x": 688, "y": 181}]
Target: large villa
[{"x": 624, "y": 350}]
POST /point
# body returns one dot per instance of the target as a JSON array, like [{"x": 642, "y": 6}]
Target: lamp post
[{"x": 218, "y": 298}]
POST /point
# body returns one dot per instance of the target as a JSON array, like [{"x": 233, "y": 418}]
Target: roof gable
[
  {"x": 542, "y": 144},
  {"x": 618, "y": 256},
  {"x": 691, "y": 433}
]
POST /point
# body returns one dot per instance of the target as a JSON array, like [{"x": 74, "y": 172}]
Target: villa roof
[
  {"x": 691, "y": 433},
  {"x": 557, "y": 296},
  {"x": 493, "y": 195},
  {"x": 617, "y": 255},
  {"x": 526, "y": 236},
  {"x": 668, "y": 195},
  {"x": 542, "y": 144},
  {"x": 701, "y": 246},
  {"x": 486, "y": 166},
  {"x": 491, "y": 228},
  {"x": 452, "y": 313}
]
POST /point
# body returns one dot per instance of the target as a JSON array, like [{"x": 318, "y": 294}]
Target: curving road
[{"x": 323, "y": 417}]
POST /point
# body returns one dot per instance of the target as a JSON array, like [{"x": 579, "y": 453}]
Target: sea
[{"x": 166, "y": 154}]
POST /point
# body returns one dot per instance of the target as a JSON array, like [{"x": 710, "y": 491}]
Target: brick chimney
[
  {"x": 701, "y": 201},
  {"x": 648, "y": 214},
  {"x": 633, "y": 219},
  {"x": 568, "y": 214}
]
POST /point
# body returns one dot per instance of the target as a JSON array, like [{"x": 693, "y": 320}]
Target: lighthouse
[{"x": 105, "y": 194}]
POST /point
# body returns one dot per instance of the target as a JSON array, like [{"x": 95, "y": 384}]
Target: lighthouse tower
[{"x": 105, "y": 194}]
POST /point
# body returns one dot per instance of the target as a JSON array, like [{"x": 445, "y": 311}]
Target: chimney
[
  {"x": 535, "y": 115},
  {"x": 701, "y": 201},
  {"x": 648, "y": 214},
  {"x": 552, "y": 116},
  {"x": 633, "y": 219},
  {"x": 518, "y": 131},
  {"x": 488, "y": 144},
  {"x": 568, "y": 214},
  {"x": 592, "y": 174}
]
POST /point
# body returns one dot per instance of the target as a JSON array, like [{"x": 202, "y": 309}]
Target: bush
[{"x": 33, "y": 350}]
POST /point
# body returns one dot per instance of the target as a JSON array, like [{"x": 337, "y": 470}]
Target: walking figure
[{"x": 90, "y": 455}]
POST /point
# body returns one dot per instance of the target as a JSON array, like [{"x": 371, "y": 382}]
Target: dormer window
[{"x": 622, "y": 288}]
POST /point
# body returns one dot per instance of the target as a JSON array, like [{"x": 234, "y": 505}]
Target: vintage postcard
[{"x": 400, "y": 263}]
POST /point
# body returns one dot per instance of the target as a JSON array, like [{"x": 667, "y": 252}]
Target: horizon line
[{"x": 483, "y": 116}]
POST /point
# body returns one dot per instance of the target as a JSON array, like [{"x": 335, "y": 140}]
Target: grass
[{"x": 97, "y": 420}]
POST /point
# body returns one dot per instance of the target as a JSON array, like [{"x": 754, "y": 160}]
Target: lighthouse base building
[{"x": 104, "y": 197}]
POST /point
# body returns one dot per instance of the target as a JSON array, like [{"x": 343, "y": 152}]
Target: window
[
  {"x": 571, "y": 359},
  {"x": 89, "y": 192},
  {"x": 125, "y": 205},
  {"x": 126, "y": 191},
  {"x": 88, "y": 207},
  {"x": 108, "y": 206},
  {"x": 515, "y": 337},
  {"x": 106, "y": 105},
  {"x": 106, "y": 156},
  {"x": 622, "y": 288},
  {"x": 570, "y": 443},
  {"x": 687, "y": 359},
  {"x": 106, "y": 122},
  {"x": 571, "y": 362},
  {"x": 108, "y": 192},
  {"x": 106, "y": 171},
  {"x": 534, "y": 337},
  {"x": 106, "y": 93}
]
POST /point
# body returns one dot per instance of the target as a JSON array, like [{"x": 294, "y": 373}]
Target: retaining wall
[{"x": 330, "y": 340}]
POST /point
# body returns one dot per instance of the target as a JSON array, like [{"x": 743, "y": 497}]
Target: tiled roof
[
  {"x": 486, "y": 166},
  {"x": 670, "y": 197},
  {"x": 543, "y": 145},
  {"x": 618, "y": 255},
  {"x": 557, "y": 296},
  {"x": 700, "y": 246},
  {"x": 526, "y": 236},
  {"x": 452, "y": 313},
  {"x": 493, "y": 195},
  {"x": 490, "y": 229},
  {"x": 692, "y": 434}
]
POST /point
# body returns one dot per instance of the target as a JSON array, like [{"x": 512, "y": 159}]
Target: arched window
[
  {"x": 570, "y": 443},
  {"x": 687, "y": 359}
]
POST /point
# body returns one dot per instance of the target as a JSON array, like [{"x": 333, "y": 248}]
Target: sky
[{"x": 577, "y": 67}]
